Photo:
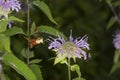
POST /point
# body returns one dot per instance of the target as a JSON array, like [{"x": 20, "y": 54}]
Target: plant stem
[
  {"x": 113, "y": 11},
  {"x": 69, "y": 71},
  {"x": 28, "y": 31}
]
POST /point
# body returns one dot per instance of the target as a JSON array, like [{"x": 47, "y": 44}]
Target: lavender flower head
[
  {"x": 116, "y": 40},
  {"x": 72, "y": 48},
  {"x": 6, "y": 6}
]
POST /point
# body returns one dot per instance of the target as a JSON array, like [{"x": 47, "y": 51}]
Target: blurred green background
[{"x": 82, "y": 17}]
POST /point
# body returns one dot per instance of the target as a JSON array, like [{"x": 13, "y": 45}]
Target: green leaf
[
  {"x": 100, "y": 0},
  {"x": 76, "y": 68},
  {"x": 3, "y": 76},
  {"x": 50, "y": 30},
  {"x": 116, "y": 56},
  {"x": 43, "y": 6},
  {"x": 36, "y": 69},
  {"x": 33, "y": 27},
  {"x": 23, "y": 52},
  {"x": 3, "y": 25},
  {"x": 31, "y": 54},
  {"x": 111, "y": 22},
  {"x": 78, "y": 78},
  {"x": 2, "y": 49},
  {"x": 13, "y": 18},
  {"x": 108, "y": 1},
  {"x": 13, "y": 31},
  {"x": 60, "y": 59},
  {"x": 35, "y": 61},
  {"x": 116, "y": 3},
  {"x": 12, "y": 61},
  {"x": 115, "y": 67},
  {"x": 5, "y": 41}
]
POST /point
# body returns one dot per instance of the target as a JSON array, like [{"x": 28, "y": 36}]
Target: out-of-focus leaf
[
  {"x": 35, "y": 61},
  {"x": 33, "y": 27},
  {"x": 50, "y": 30},
  {"x": 31, "y": 54},
  {"x": 116, "y": 56},
  {"x": 78, "y": 78},
  {"x": 3, "y": 25},
  {"x": 36, "y": 69},
  {"x": 13, "y": 18},
  {"x": 116, "y": 3},
  {"x": 3, "y": 76},
  {"x": 43, "y": 6},
  {"x": 12, "y": 61},
  {"x": 13, "y": 31},
  {"x": 108, "y": 1},
  {"x": 111, "y": 22},
  {"x": 2, "y": 49},
  {"x": 5, "y": 41},
  {"x": 115, "y": 67},
  {"x": 18, "y": 44},
  {"x": 23, "y": 52}
]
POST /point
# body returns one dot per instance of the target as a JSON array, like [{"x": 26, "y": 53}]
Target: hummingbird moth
[{"x": 35, "y": 41}]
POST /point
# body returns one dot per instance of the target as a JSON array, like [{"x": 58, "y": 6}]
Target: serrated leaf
[
  {"x": 3, "y": 25},
  {"x": 115, "y": 67},
  {"x": 50, "y": 30},
  {"x": 5, "y": 41},
  {"x": 43, "y": 6},
  {"x": 36, "y": 69},
  {"x": 35, "y": 61},
  {"x": 33, "y": 27},
  {"x": 12, "y": 61},
  {"x": 111, "y": 22},
  {"x": 13, "y": 31},
  {"x": 13, "y": 18}
]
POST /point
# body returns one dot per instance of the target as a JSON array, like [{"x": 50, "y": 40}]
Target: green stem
[
  {"x": 28, "y": 56},
  {"x": 28, "y": 17},
  {"x": 28, "y": 31},
  {"x": 113, "y": 11},
  {"x": 69, "y": 70}
]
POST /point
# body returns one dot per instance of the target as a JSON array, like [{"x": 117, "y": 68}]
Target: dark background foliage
[{"x": 82, "y": 17}]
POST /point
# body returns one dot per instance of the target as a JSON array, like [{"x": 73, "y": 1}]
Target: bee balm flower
[
  {"x": 116, "y": 40},
  {"x": 9, "y": 5},
  {"x": 72, "y": 48}
]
